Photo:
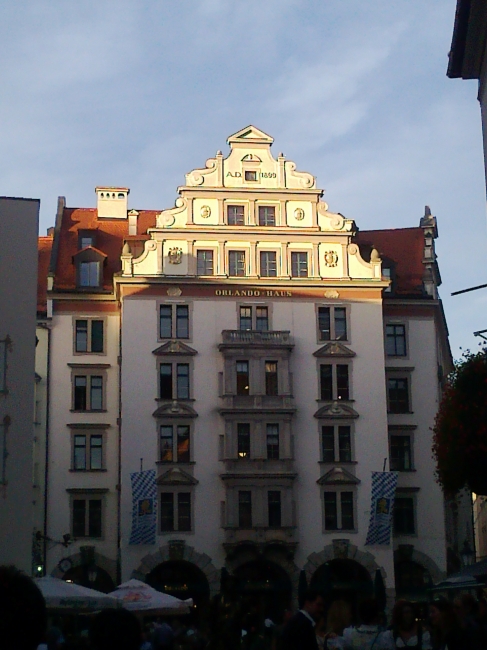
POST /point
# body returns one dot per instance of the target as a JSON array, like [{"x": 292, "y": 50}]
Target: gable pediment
[
  {"x": 334, "y": 349},
  {"x": 173, "y": 348},
  {"x": 89, "y": 254},
  {"x": 250, "y": 134},
  {"x": 336, "y": 411},
  {"x": 176, "y": 476},
  {"x": 338, "y": 476},
  {"x": 175, "y": 409}
]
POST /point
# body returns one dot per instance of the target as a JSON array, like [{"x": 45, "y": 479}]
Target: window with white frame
[
  {"x": 243, "y": 439},
  {"x": 89, "y": 274},
  {"x": 86, "y": 516},
  {"x": 404, "y": 514},
  {"x": 253, "y": 317},
  {"x": 175, "y": 512},
  {"x": 242, "y": 370},
  {"x": 398, "y": 400},
  {"x": 268, "y": 264},
  {"x": 336, "y": 443},
  {"x": 174, "y": 321},
  {"x": 175, "y": 440},
  {"x": 396, "y": 340},
  {"x": 237, "y": 264},
  {"x": 334, "y": 381},
  {"x": 272, "y": 441},
  {"x": 88, "y": 392},
  {"x": 339, "y": 510},
  {"x": 204, "y": 262},
  {"x": 267, "y": 215},
  {"x": 174, "y": 381},
  {"x": 88, "y": 452},
  {"x": 235, "y": 215},
  {"x": 332, "y": 323},
  {"x": 299, "y": 264},
  {"x": 89, "y": 335}
]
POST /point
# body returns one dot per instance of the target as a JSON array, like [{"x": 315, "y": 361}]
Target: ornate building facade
[{"x": 263, "y": 357}]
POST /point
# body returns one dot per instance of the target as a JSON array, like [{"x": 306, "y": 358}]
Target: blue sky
[{"x": 137, "y": 93}]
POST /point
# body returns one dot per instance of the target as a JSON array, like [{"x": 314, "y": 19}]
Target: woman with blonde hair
[{"x": 339, "y": 617}]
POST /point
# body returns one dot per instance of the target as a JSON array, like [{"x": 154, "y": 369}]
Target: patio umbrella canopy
[
  {"x": 137, "y": 596},
  {"x": 68, "y": 596}
]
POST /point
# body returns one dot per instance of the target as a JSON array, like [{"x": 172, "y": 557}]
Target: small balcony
[
  {"x": 260, "y": 466},
  {"x": 261, "y": 536},
  {"x": 256, "y": 338},
  {"x": 246, "y": 403}
]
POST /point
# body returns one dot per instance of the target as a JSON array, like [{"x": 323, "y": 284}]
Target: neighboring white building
[
  {"x": 18, "y": 272},
  {"x": 235, "y": 343}
]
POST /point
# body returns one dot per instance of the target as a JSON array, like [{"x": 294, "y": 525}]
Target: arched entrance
[
  {"x": 181, "y": 579},
  {"x": 93, "y": 577},
  {"x": 343, "y": 579},
  {"x": 265, "y": 586},
  {"x": 412, "y": 580}
]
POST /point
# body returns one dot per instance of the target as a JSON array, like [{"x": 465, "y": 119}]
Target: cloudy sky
[{"x": 138, "y": 92}]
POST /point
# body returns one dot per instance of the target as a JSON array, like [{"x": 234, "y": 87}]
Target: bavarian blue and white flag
[
  {"x": 144, "y": 507},
  {"x": 380, "y": 524}
]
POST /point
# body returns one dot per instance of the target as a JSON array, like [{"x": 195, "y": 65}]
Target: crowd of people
[{"x": 460, "y": 624}]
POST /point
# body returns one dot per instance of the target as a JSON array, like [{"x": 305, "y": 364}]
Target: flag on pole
[
  {"x": 380, "y": 524},
  {"x": 144, "y": 507}
]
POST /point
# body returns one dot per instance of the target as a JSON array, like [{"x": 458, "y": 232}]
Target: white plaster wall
[
  {"x": 40, "y": 412},
  {"x": 60, "y": 476}
]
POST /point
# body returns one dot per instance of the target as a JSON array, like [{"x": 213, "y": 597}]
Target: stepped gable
[
  {"x": 403, "y": 246},
  {"x": 110, "y": 235},
  {"x": 44, "y": 248}
]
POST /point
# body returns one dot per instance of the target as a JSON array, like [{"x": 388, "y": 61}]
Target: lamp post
[{"x": 467, "y": 554}]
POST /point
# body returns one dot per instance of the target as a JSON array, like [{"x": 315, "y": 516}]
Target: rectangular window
[
  {"x": 250, "y": 176},
  {"x": 387, "y": 273},
  {"x": 332, "y": 323},
  {"x": 398, "y": 395},
  {"x": 274, "y": 508},
  {"x": 243, "y": 440},
  {"x": 299, "y": 265},
  {"x": 167, "y": 512},
  {"x": 268, "y": 264},
  {"x": 400, "y": 458},
  {"x": 81, "y": 335},
  {"x": 272, "y": 440},
  {"x": 261, "y": 319},
  {"x": 396, "y": 340},
  {"x": 166, "y": 443},
  {"x": 184, "y": 511},
  {"x": 245, "y": 320},
  {"x": 87, "y": 452},
  {"x": 96, "y": 393},
  {"x": 271, "y": 380},
  {"x": 85, "y": 241},
  {"x": 96, "y": 451},
  {"x": 204, "y": 262},
  {"x": 182, "y": 381},
  {"x": 89, "y": 274},
  {"x": 236, "y": 263},
  {"x": 245, "y": 509},
  {"x": 326, "y": 382},
  {"x": 243, "y": 378},
  {"x": 344, "y": 444},
  {"x": 331, "y": 511},
  {"x": 235, "y": 215},
  {"x": 328, "y": 443},
  {"x": 79, "y": 452},
  {"x": 334, "y": 382},
  {"x": 96, "y": 337},
  {"x": 165, "y": 321},
  {"x": 80, "y": 390},
  {"x": 183, "y": 455},
  {"x": 86, "y": 518},
  {"x": 342, "y": 382},
  {"x": 267, "y": 215},
  {"x": 346, "y": 499},
  {"x": 182, "y": 322},
  {"x": 404, "y": 516},
  {"x": 165, "y": 384}
]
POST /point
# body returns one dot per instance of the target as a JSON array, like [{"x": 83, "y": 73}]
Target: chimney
[{"x": 112, "y": 202}]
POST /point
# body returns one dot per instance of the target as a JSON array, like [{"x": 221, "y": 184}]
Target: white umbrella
[
  {"x": 60, "y": 594},
  {"x": 137, "y": 596}
]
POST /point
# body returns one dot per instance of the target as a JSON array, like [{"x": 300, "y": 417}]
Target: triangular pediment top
[
  {"x": 338, "y": 476},
  {"x": 175, "y": 409},
  {"x": 174, "y": 347},
  {"x": 250, "y": 134},
  {"x": 176, "y": 476},
  {"x": 334, "y": 349},
  {"x": 336, "y": 411}
]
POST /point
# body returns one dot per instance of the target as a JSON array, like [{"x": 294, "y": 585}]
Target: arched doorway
[
  {"x": 343, "y": 579},
  {"x": 412, "y": 580},
  {"x": 265, "y": 586},
  {"x": 92, "y": 577},
  {"x": 183, "y": 580}
]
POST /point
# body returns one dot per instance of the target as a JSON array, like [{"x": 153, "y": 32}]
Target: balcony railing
[
  {"x": 260, "y": 534},
  {"x": 256, "y": 337}
]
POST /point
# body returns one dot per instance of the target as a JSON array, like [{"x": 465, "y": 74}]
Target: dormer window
[
  {"x": 89, "y": 274},
  {"x": 89, "y": 268},
  {"x": 86, "y": 238},
  {"x": 387, "y": 273}
]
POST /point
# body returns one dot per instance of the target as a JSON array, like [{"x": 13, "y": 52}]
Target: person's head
[
  {"x": 314, "y": 604},
  {"x": 369, "y": 611},
  {"x": 442, "y": 614},
  {"x": 339, "y": 616},
  {"x": 115, "y": 628},
  {"x": 23, "y": 615},
  {"x": 403, "y": 616}
]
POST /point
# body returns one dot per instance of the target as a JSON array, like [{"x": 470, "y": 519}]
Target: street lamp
[{"x": 467, "y": 554}]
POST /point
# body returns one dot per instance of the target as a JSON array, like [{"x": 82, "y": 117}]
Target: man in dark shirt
[{"x": 299, "y": 632}]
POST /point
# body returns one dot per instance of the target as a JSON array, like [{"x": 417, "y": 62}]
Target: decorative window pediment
[
  {"x": 175, "y": 409},
  {"x": 176, "y": 476},
  {"x": 334, "y": 349},
  {"x": 89, "y": 254},
  {"x": 338, "y": 476},
  {"x": 251, "y": 134},
  {"x": 336, "y": 411},
  {"x": 174, "y": 348}
]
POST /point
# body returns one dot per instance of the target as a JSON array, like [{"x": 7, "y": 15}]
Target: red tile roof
[
  {"x": 110, "y": 234},
  {"x": 44, "y": 248},
  {"x": 404, "y": 246}
]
